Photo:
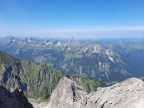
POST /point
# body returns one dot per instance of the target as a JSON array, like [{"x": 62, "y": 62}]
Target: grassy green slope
[{"x": 36, "y": 80}]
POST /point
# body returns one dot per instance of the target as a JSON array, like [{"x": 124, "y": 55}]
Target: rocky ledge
[
  {"x": 14, "y": 99},
  {"x": 127, "y": 94}
]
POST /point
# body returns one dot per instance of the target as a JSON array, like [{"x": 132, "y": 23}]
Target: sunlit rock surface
[{"x": 127, "y": 94}]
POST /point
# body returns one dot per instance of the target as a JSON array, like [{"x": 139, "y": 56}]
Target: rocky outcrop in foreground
[
  {"x": 14, "y": 99},
  {"x": 127, "y": 94}
]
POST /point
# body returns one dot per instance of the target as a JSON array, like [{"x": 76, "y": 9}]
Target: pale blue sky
[{"x": 72, "y": 18}]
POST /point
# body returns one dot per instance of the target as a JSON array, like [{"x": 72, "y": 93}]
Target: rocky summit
[
  {"x": 127, "y": 94},
  {"x": 14, "y": 99}
]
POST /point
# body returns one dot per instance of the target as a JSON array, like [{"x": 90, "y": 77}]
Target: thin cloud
[{"x": 99, "y": 29}]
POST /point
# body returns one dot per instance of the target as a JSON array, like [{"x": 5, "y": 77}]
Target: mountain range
[
  {"x": 78, "y": 84},
  {"x": 107, "y": 61}
]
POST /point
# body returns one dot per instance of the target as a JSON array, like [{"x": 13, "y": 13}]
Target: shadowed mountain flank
[{"x": 14, "y": 99}]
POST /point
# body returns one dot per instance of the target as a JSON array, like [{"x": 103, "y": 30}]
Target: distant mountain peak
[
  {"x": 57, "y": 43},
  {"x": 73, "y": 41},
  {"x": 10, "y": 37},
  {"x": 29, "y": 39}
]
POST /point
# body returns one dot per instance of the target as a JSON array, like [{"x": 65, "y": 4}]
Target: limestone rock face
[
  {"x": 14, "y": 99},
  {"x": 67, "y": 95},
  {"x": 127, "y": 94}
]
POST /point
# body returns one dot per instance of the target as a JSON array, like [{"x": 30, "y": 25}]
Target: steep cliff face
[
  {"x": 14, "y": 99},
  {"x": 127, "y": 94},
  {"x": 36, "y": 80}
]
